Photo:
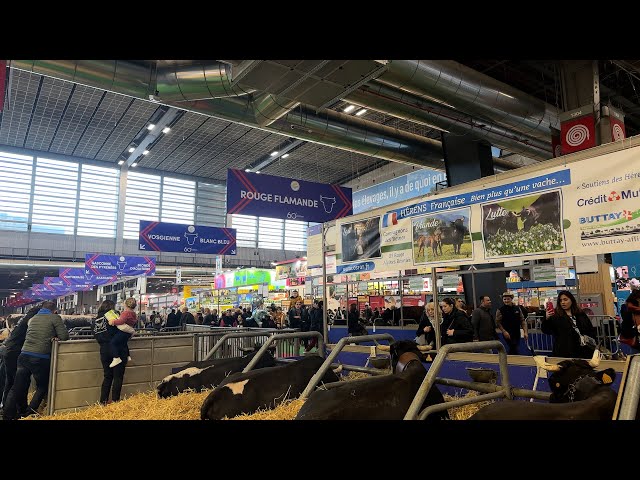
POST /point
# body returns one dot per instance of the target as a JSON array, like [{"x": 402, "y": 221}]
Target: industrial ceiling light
[
  {"x": 146, "y": 152},
  {"x": 166, "y": 130},
  {"x": 151, "y": 126},
  {"x": 131, "y": 150},
  {"x": 247, "y": 169},
  {"x": 349, "y": 109},
  {"x": 274, "y": 153},
  {"x": 121, "y": 162},
  {"x": 285, "y": 155},
  {"x": 257, "y": 171},
  {"x": 360, "y": 112},
  {"x": 134, "y": 164}
]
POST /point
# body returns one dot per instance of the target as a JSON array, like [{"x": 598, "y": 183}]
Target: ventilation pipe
[
  {"x": 474, "y": 93},
  {"x": 397, "y": 103}
]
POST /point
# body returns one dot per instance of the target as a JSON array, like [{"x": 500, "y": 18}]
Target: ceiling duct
[
  {"x": 319, "y": 125},
  {"x": 474, "y": 93},
  {"x": 395, "y": 102}
]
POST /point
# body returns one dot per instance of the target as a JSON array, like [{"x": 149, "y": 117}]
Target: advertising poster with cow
[
  {"x": 361, "y": 240},
  {"x": 441, "y": 237},
  {"x": 523, "y": 226}
]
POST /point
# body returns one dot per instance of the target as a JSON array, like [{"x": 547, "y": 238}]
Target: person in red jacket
[{"x": 125, "y": 323}]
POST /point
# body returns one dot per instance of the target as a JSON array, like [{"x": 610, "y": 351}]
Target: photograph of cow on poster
[
  {"x": 361, "y": 240},
  {"x": 523, "y": 225},
  {"x": 442, "y": 236}
]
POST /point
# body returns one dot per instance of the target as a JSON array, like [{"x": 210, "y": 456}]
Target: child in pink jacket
[{"x": 125, "y": 323}]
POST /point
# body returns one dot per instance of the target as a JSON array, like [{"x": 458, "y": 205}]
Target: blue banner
[
  {"x": 497, "y": 193},
  {"x": 76, "y": 276},
  {"x": 61, "y": 284},
  {"x": 411, "y": 185},
  {"x": 122, "y": 266},
  {"x": 286, "y": 198},
  {"x": 175, "y": 237},
  {"x": 356, "y": 267}
]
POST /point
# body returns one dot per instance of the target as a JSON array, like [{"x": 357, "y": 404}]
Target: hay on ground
[
  {"x": 465, "y": 411},
  {"x": 141, "y": 406}
]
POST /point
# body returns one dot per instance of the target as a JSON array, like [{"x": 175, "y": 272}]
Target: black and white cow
[
  {"x": 578, "y": 392},
  {"x": 545, "y": 209},
  {"x": 265, "y": 388},
  {"x": 385, "y": 397},
  {"x": 208, "y": 373}
]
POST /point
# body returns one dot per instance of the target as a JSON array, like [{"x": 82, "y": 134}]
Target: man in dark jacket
[
  {"x": 12, "y": 347},
  {"x": 173, "y": 319},
  {"x": 316, "y": 323},
  {"x": 509, "y": 319},
  {"x": 186, "y": 318},
  {"x": 484, "y": 325}
]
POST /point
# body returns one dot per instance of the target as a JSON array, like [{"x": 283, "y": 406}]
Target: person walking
[
  {"x": 113, "y": 378},
  {"x": 35, "y": 359},
  {"x": 509, "y": 319},
  {"x": 456, "y": 325},
  {"x": 573, "y": 334},
  {"x": 483, "y": 322}
]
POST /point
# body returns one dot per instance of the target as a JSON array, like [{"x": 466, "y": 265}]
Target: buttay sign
[
  {"x": 175, "y": 237},
  {"x": 569, "y": 208},
  {"x": 286, "y": 198},
  {"x": 119, "y": 265}
]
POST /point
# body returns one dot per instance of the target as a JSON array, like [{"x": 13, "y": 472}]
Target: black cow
[
  {"x": 454, "y": 234},
  {"x": 209, "y": 373},
  {"x": 266, "y": 388},
  {"x": 577, "y": 393},
  {"x": 499, "y": 220},
  {"x": 545, "y": 209},
  {"x": 385, "y": 397}
]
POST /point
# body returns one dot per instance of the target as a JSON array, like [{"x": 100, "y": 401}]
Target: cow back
[
  {"x": 208, "y": 373},
  {"x": 262, "y": 389}
]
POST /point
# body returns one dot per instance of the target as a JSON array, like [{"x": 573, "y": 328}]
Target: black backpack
[{"x": 100, "y": 330}]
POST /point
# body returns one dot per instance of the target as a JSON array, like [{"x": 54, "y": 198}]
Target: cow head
[
  {"x": 400, "y": 347},
  {"x": 576, "y": 379}
]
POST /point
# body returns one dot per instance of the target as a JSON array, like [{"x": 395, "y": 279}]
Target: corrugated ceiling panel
[
  {"x": 134, "y": 120},
  {"x": 102, "y": 124},
  {"x": 17, "y": 111},
  {"x": 79, "y": 112},
  {"x": 47, "y": 115}
]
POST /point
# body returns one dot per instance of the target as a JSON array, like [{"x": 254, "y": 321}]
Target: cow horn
[
  {"x": 425, "y": 348},
  {"x": 595, "y": 360},
  {"x": 539, "y": 359},
  {"x": 338, "y": 369},
  {"x": 384, "y": 348}
]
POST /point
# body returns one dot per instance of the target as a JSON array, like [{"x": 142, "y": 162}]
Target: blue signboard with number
[{"x": 175, "y": 237}]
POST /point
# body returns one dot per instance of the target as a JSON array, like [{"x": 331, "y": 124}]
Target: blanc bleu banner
[
  {"x": 175, "y": 237},
  {"x": 279, "y": 197},
  {"x": 120, "y": 265}
]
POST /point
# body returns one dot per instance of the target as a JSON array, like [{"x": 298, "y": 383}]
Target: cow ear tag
[
  {"x": 606, "y": 378},
  {"x": 557, "y": 384}
]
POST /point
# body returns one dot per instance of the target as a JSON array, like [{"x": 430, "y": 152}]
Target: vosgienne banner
[
  {"x": 286, "y": 198},
  {"x": 120, "y": 265},
  {"x": 175, "y": 237},
  {"x": 572, "y": 208}
]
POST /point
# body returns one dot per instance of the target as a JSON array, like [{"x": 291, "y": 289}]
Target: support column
[{"x": 122, "y": 198}]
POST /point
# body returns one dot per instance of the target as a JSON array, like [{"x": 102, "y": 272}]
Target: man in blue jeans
[{"x": 35, "y": 359}]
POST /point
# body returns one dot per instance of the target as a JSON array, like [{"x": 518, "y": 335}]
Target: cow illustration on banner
[
  {"x": 523, "y": 226},
  {"x": 442, "y": 236}
]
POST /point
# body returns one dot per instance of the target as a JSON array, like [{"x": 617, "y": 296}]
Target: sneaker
[
  {"x": 115, "y": 361},
  {"x": 129, "y": 358}
]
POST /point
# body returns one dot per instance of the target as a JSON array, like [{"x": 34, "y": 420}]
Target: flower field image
[{"x": 540, "y": 238}]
